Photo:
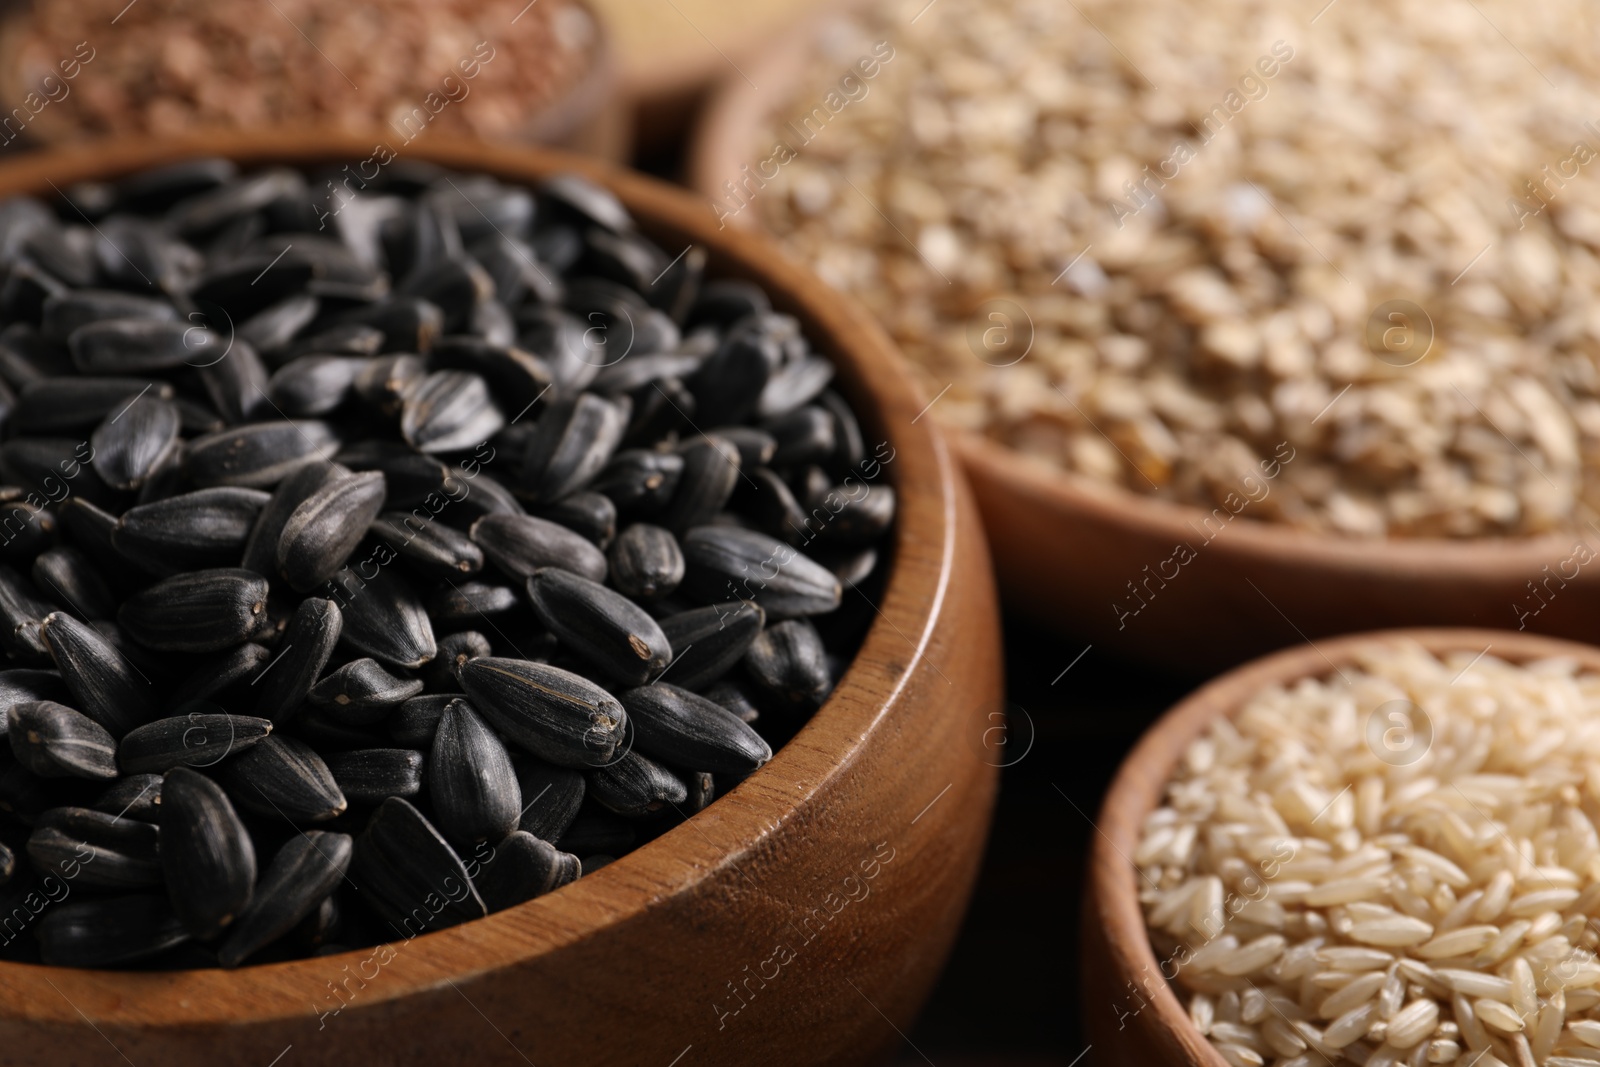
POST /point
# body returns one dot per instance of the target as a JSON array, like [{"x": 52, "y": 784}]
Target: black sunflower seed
[
  {"x": 410, "y": 875},
  {"x": 384, "y": 382},
  {"x": 470, "y": 780},
  {"x": 233, "y": 198},
  {"x": 707, "y": 642},
  {"x": 725, "y": 562},
  {"x": 326, "y": 526},
  {"x": 272, "y": 328},
  {"x": 516, "y": 378},
  {"x": 686, "y": 730},
  {"x": 107, "y": 932},
  {"x": 454, "y": 652},
  {"x": 731, "y": 380},
  {"x": 313, "y": 386},
  {"x": 702, "y": 787},
  {"x": 57, "y": 405},
  {"x": 300, "y": 877},
  {"x": 646, "y": 563},
  {"x": 756, "y": 447},
  {"x": 858, "y": 520},
  {"x": 97, "y": 849},
  {"x": 370, "y": 776},
  {"x": 199, "y": 611},
  {"x": 206, "y": 853},
  {"x": 797, "y": 383},
  {"x": 362, "y": 692},
  {"x": 282, "y": 777},
  {"x": 261, "y": 547},
  {"x": 54, "y": 741},
  {"x": 384, "y": 618},
  {"x": 409, "y": 324},
  {"x": 26, "y": 686},
  {"x": 732, "y": 695},
  {"x": 347, "y": 340},
  {"x": 787, "y": 660},
  {"x": 432, "y": 548},
  {"x": 522, "y": 544},
  {"x": 260, "y": 455},
  {"x": 131, "y": 443},
  {"x": 133, "y": 796},
  {"x": 198, "y": 739},
  {"x": 710, "y": 474},
  {"x": 239, "y": 664},
  {"x": 635, "y": 784},
  {"x": 551, "y": 796},
  {"x": 727, "y": 300},
  {"x": 449, "y": 411},
  {"x": 601, "y": 625},
  {"x": 53, "y": 467},
  {"x": 307, "y": 644},
  {"x": 414, "y": 723},
  {"x": 104, "y": 684},
  {"x": 523, "y": 867},
  {"x": 591, "y": 514},
  {"x": 63, "y": 315},
  {"x": 68, "y": 575},
  {"x": 571, "y": 443},
  {"x": 485, "y": 496},
  {"x": 205, "y": 528},
  {"x": 142, "y": 346},
  {"x": 558, "y": 716},
  {"x": 469, "y": 603},
  {"x": 22, "y": 612}
]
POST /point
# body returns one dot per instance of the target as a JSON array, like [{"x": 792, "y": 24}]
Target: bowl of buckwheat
[
  {"x": 503, "y": 70},
  {"x": 1249, "y": 326}
]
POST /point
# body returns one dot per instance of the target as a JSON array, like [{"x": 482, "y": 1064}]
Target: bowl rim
[
  {"x": 721, "y": 144},
  {"x": 739, "y": 827},
  {"x": 1111, "y": 890}
]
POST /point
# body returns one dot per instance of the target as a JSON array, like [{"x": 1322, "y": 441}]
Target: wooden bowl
[
  {"x": 1119, "y": 966},
  {"x": 589, "y": 116},
  {"x": 1111, "y": 568},
  {"x": 798, "y": 920}
]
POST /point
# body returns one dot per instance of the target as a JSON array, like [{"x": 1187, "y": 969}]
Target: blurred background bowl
[
  {"x": 1097, "y": 563},
  {"x": 784, "y": 924},
  {"x": 172, "y": 88}
]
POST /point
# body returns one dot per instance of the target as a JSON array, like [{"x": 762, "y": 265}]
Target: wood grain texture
[
  {"x": 1117, "y": 960},
  {"x": 636, "y": 963},
  {"x": 1097, "y": 563}
]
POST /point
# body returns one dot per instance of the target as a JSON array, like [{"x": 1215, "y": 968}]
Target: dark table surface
[{"x": 1010, "y": 994}]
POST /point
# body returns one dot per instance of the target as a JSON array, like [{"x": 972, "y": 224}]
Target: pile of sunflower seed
[
  {"x": 1164, "y": 245},
  {"x": 359, "y": 580}
]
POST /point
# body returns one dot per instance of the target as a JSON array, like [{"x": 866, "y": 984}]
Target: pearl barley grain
[{"x": 1363, "y": 261}]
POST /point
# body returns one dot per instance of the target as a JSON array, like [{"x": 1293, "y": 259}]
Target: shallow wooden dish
[
  {"x": 639, "y": 963},
  {"x": 1098, "y": 564},
  {"x": 1119, "y": 967}
]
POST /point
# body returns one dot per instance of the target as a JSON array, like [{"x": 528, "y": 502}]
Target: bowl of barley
[
  {"x": 1248, "y": 328},
  {"x": 1377, "y": 850}
]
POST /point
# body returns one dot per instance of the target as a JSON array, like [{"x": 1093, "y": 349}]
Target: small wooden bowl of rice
[{"x": 1376, "y": 850}]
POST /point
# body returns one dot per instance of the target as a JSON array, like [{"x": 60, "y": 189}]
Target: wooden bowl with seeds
[
  {"x": 801, "y": 918},
  {"x": 1144, "y": 578},
  {"x": 1135, "y": 1016}
]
